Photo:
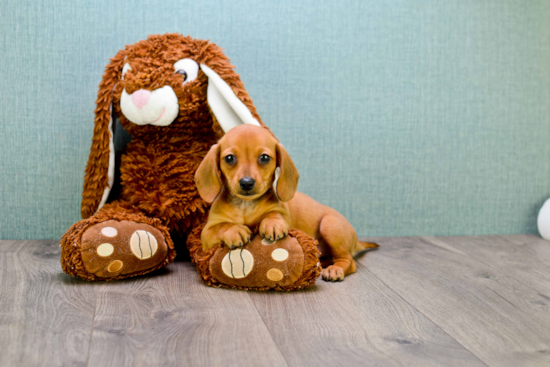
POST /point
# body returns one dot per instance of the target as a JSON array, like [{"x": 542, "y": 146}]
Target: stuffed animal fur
[{"x": 175, "y": 96}]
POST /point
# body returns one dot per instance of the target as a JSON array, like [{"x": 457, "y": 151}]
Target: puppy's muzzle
[{"x": 247, "y": 183}]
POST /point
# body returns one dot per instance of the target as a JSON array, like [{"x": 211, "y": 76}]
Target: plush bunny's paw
[
  {"x": 287, "y": 264},
  {"x": 115, "y": 249}
]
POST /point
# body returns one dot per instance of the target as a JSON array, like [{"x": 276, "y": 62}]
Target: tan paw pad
[
  {"x": 115, "y": 266},
  {"x": 279, "y": 254},
  {"x": 109, "y": 231},
  {"x": 267, "y": 242},
  {"x": 275, "y": 275},
  {"x": 237, "y": 263},
  {"x": 105, "y": 249},
  {"x": 143, "y": 244}
]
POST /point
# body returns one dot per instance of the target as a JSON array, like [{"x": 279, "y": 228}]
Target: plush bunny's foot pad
[
  {"x": 288, "y": 264},
  {"x": 96, "y": 249}
]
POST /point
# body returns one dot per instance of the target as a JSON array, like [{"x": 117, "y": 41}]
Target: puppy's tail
[{"x": 363, "y": 247}]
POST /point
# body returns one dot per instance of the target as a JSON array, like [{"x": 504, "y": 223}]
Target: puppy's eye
[
  {"x": 230, "y": 159},
  {"x": 188, "y": 68},
  {"x": 125, "y": 68},
  {"x": 264, "y": 159}
]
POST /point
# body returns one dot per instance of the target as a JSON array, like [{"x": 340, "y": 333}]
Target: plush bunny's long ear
[
  {"x": 208, "y": 176},
  {"x": 100, "y": 170},
  {"x": 229, "y": 110},
  {"x": 287, "y": 176}
]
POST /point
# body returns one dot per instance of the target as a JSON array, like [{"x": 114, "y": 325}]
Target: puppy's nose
[{"x": 247, "y": 183}]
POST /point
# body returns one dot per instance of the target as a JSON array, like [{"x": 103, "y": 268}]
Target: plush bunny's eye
[
  {"x": 125, "y": 68},
  {"x": 188, "y": 68},
  {"x": 184, "y": 73}
]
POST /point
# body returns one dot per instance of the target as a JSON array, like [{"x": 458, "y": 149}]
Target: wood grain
[
  {"x": 432, "y": 301},
  {"x": 45, "y": 316},
  {"x": 523, "y": 257},
  {"x": 171, "y": 319},
  {"x": 493, "y": 315},
  {"x": 16, "y": 245},
  {"x": 356, "y": 322}
]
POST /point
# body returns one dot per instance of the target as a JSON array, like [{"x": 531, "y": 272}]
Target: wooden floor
[{"x": 446, "y": 301}]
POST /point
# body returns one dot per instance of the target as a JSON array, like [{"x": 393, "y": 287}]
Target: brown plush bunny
[{"x": 176, "y": 96}]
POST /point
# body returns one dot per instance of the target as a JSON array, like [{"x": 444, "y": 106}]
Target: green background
[{"x": 409, "y": 117}]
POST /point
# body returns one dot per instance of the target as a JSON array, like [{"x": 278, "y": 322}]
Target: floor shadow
[
  {"x": 180, "y": 244},
  {"x": 70, "y": 280}
]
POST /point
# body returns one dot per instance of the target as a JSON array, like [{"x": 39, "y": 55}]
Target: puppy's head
[{"x": 249, "y": 161}]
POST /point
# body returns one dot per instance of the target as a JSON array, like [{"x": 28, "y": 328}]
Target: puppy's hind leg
[{"x": 340, "y": 236}]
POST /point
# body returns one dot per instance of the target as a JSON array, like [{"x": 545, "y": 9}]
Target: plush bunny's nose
[{"x": 141, "y": 97}]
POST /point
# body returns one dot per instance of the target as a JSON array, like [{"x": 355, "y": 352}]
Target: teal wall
[{"x": 410, "y": 117}]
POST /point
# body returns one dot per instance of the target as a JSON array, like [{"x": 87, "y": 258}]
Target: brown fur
[
  {"x": 276, "y": 209},
  {"x": 157, "y": 167}
]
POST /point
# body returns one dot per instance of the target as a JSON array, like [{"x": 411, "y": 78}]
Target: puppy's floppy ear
[
  {"x": 286, "y": 183},
  {"x": 228, "y": 109},
  {"x": 208, "y": 175},
  {"x": 100, "y": 170}
]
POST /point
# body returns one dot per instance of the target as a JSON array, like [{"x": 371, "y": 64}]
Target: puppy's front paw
[
  {"x": 273, "y": 229},
  {"x": 333, "y": 273},
  {"x": 236, "y": 236}
]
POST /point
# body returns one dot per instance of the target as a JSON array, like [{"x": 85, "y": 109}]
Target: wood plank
[
  {"x": 357, "y": 322},
  {"x": 523, "y": 257},
  {"x": 171, "y": 319},
  {"x": 45, "y": 316},
  {"x": 493, "y": 315},
  {"x": 14, "y": 245},
  {"x": 430, "y": 301},
  {"x": 536, "y": 246}
]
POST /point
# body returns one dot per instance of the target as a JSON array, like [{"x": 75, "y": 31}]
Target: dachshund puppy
[{"x": 250, "y": 180}]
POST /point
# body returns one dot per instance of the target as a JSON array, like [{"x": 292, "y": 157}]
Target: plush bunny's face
[
  {"x": 160, "y": 86},
  {"x": 160, "y": 106},
  {"x": 164, "y": 81}
]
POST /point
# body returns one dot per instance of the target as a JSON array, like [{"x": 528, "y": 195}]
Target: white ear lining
[
  {"x": 111, "y": 170},
  {"x": 276, "y": 180},
  {"x": 229, "y": 110}
]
